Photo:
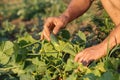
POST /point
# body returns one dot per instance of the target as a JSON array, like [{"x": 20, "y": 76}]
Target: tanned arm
[
  {"x": 75, "y": 9},
  {"x": 113, "y": 9},
  {"x": 100, "y": 50}
]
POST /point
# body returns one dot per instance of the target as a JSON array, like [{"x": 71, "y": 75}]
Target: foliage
[
  {"x": 25, "y": 11},
  {"x": 104, "y": 22},
  {"x": 30, "y": 59},
  {"x": 28, "y": 9},
  {"x": 10, "y": 31}
]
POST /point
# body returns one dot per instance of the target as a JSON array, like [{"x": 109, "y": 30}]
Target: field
[{"x": 23, "y": 56}]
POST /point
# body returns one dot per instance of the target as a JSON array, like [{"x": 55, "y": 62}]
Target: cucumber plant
[{"x": 30, "y": 59}]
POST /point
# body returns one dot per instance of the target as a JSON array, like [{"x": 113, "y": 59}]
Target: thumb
[{"x": 56, "y": 30}]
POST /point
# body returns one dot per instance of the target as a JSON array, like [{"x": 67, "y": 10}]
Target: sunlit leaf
[{"x": 6, "y": 50}]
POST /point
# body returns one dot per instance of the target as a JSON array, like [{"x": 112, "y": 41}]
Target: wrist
[
  {"x": 64, "y": 18},
  {"x": 107, "y": 45}
]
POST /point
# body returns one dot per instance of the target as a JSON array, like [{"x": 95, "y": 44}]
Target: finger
[
  {"x": 56, "y": 29},
  {"x": 85, "y": 63},
  {"x": 42, "y": 36},
  {"x": 88, "y": 62},
  {"x": 85, "y": 60},
  {"x": 82, "y": 59},
  {"x": 88, "y": 59},
  {"x": 46, "y": 31},
  {"x": 78, "y": 56},
  {"x": 46, "y": 36}
]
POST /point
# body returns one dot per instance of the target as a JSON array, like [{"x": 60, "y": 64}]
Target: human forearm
[
  {"x": 54, "y": 24},
  {"x": 113, "y": 39},
  {"x": 75, "y": 9}
]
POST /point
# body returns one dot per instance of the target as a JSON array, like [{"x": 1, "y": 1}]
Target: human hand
[
  {"x": 91, "y": 54},
  {"x": 53, "y": 25}
]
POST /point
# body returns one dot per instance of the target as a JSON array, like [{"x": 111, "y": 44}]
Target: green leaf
[
  {"x": 47, "y": 47},
  {"x": 73, "y": 76},
  {"x": 46, "y": 76},
  {"x": 3, "y": 58},
  {"x": 64, "y": 34},
  {"x": 30, "y": 68},
  {"x": 101, "y": 67},
  {"x": 89, "y": 76},
  {"x": 6, "y": 50},
  {"x": 61, "y": 45},
  {"x": 68, "y": 48},
  {"x": 18, "y": 70},
  {"x": 27, "y": 77},
  {"x": 25, "y": 40},
  {"x": 54, "y": 40},
  {"x": 96, "y": 72},
  {"x": 71, "y": 65},
  {"x": 20, "y": 54},
  {"x": 107, "y": 76},
  {"x": 82, "y": 36},
  {"x": 41, "y": 66},
  {"x": 7, "y": 47},
  {"x": 48, "y": 50}
]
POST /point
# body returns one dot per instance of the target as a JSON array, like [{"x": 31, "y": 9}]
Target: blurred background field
[{"x": 21, "y": 17}]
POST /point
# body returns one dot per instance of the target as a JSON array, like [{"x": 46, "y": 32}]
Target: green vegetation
[
  {"x": 24, "y": 57},
  {"x": 27, "y": 58}
]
